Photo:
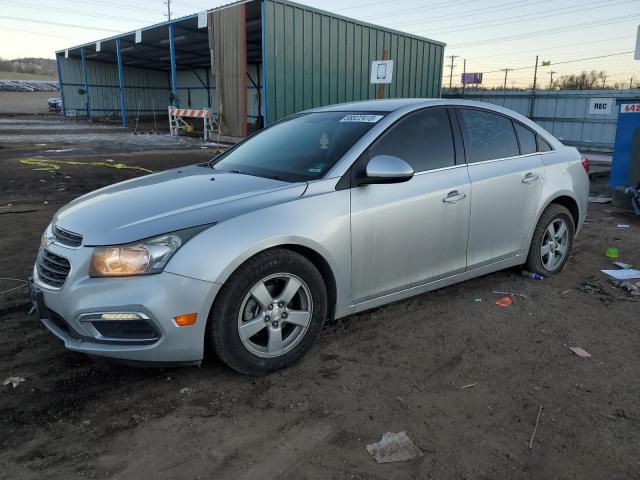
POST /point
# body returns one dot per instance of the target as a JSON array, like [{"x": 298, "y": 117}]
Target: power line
[
  {"x": 76, "y": 12},
  {"x": 41, "y": 34},
  {"x": 477, "y": 11},
  {"x": 105, "y": 4},
  {"x": 568, "y": 61},
  {"x": 365, "y": 5},
  {"x": 406, "y": 11},
  {"x": 551, "y": 31},
  {"x": 529, "y": 17},
  {"x": 59, "y": 24},
  {"x": 600, "y": 40}
]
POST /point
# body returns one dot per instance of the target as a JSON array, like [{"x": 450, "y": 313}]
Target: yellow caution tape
[{"x": 48, "y": 164}]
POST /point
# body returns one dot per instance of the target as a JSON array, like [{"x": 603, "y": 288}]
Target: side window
[
  {"x": 527, "y": 139},
  {"x": 488, "y": 135},
  {"x": 543, "y": 145},
  {"x": 423, "y": 139}
]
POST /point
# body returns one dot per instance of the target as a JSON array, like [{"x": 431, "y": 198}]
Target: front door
[{"x": 411, "y": 233}]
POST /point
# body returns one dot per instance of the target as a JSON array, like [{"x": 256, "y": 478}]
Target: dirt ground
[
  {"x": 25, "y": 102},
  {"x": 464, "y": 378}
]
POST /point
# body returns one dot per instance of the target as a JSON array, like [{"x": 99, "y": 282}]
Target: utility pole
[
  {"x": 631, "y": 83},
  {"x": 551, "y": 81},
  {"x": 168, "y": 14},
  {"x": 452, "y": 57},
  {"x": 506, "y": 72},
  {"x": 604, "y": 81},
  {"x": 533, "y": 90},
  {"x": 464, "y": 71}
]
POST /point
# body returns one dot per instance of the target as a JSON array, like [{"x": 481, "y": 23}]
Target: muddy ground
[{"x": 464, "y": 378}]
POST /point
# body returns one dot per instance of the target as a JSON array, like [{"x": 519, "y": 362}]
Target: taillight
[{"x": 585, "y": 164}]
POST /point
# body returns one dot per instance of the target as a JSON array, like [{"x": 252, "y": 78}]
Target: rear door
[
  {"x": 506, "y": 175},
  {"x": 409, "y": 233}
]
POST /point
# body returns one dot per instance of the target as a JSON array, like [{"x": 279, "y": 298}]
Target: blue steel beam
[
  {"x": 123, "y": 105},
  {"x": 85, "y": 79},
  {"x": 64, "y": 106},
  {"x": 172, "y": 51}
]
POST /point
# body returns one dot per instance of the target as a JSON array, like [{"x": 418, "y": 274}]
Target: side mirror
[{"x": 386, "y": 169}]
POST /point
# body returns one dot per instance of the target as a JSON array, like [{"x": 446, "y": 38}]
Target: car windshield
[{"x": 301, "y": 148}]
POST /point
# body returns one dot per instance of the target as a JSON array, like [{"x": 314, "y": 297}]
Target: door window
[
  {"x": 527, "y": 139},
  {"x": 423, "y": 139},
  {"x": 488, "y": 136}
]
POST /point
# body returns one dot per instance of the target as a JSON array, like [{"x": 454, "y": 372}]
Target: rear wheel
[
  {"x": 269, "y": 312},
  {"x": 552, "y": 241}
]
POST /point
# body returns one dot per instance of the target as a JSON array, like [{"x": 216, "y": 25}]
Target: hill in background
[{"x": 44, "y": 68}]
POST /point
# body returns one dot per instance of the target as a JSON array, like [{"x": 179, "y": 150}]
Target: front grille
[
  {"x": 66, "y": 237},
  {"x": 126, "y": 329},
  {"x": 52, "y": 269}
]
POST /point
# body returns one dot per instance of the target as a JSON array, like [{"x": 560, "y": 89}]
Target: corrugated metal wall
[
  {"x": 564, "y": 113},
  {"x": 145, "y": 89},
  {"x": 313, "y": 58}
]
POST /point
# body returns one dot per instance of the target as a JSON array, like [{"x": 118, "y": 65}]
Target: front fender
[{"x": 319, "y": 222}]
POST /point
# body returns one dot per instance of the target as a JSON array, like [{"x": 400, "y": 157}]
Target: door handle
[
  {"x": 454, "y": 197},
  {"x": 529, "y": 178}
]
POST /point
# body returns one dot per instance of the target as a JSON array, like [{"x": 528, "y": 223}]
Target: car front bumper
[{"x": 72, "y": 313}]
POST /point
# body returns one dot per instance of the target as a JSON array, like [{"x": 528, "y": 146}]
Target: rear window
[
  {"x": 543, "y": 145},
  {"x": 301, "y": 148},
  {"x": 488, "y": 136},
  {"x": 526, "y": 138}
]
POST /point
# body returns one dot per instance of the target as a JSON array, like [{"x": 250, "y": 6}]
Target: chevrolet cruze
[{"x": 327, "y": 213}]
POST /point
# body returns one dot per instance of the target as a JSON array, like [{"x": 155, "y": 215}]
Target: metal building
[{"x": 251, "y": 63}]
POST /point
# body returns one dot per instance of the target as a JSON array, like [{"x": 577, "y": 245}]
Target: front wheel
[
  {"x": 552, "y": 241},
  {"x": 269, "y": 312}
]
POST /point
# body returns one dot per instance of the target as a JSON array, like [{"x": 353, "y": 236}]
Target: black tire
[
  {"x": 223, "y": 329},
  {"x": 553, "y": 213}
]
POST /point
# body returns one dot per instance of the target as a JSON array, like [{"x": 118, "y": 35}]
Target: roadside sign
[
  {"x": 601, "y": 106},
  {"x": 471, "y": 78},
  {"x": 637, "y": 55},
  {"x": 381, "y": 71}
]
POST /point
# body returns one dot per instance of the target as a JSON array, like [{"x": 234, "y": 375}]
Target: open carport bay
[{"x": 464, "y": 378}]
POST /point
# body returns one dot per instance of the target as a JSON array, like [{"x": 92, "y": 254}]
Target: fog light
[
  {"x": 120, "y": 316},
  {"x": 186, "y": 319}
]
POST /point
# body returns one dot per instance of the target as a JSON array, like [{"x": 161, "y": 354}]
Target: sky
[{"x": 490, "y": 34}]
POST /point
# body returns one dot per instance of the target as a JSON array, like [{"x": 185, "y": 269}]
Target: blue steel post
[
  {"x": 85, "y": 78},
  {"x": 64, "y": 107},
  {"x": 172, "y": 51},
  {"x": 123, "y": 106},
  {"x": 264, "y": 64}
]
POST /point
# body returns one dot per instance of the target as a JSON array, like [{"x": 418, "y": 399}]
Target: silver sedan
[{"x": 327, "y": 213}]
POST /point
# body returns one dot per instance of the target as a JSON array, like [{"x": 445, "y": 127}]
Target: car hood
[{"x": 169, "y": 201}]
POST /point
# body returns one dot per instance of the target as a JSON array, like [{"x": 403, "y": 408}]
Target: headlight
[{"x": 139, "y": 258}]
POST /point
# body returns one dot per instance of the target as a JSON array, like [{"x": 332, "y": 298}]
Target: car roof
[{"x": 387, "y": 105}]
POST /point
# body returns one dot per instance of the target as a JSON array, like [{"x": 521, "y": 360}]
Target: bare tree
[{"x": 582, "y": 81}]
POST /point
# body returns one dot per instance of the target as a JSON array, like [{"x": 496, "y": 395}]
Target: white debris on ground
[
  {"x": 13, "y": 381},
  {"x": 394, "y": 447}
]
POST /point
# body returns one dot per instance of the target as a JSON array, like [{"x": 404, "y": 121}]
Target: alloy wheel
[
  {"x": 275, "y": 315},
  {"x": 555, "y": 244}
]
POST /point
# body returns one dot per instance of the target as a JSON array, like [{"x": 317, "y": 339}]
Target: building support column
[
  {"x": 123, "y": 105},
  {"x": 172, "y": 52},
  {"x": 64, "y": 107},
  {"x": 85, "y": 78}
]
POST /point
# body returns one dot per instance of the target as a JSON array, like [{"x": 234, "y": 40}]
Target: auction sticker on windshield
[{"x": 362, "y": 118}]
